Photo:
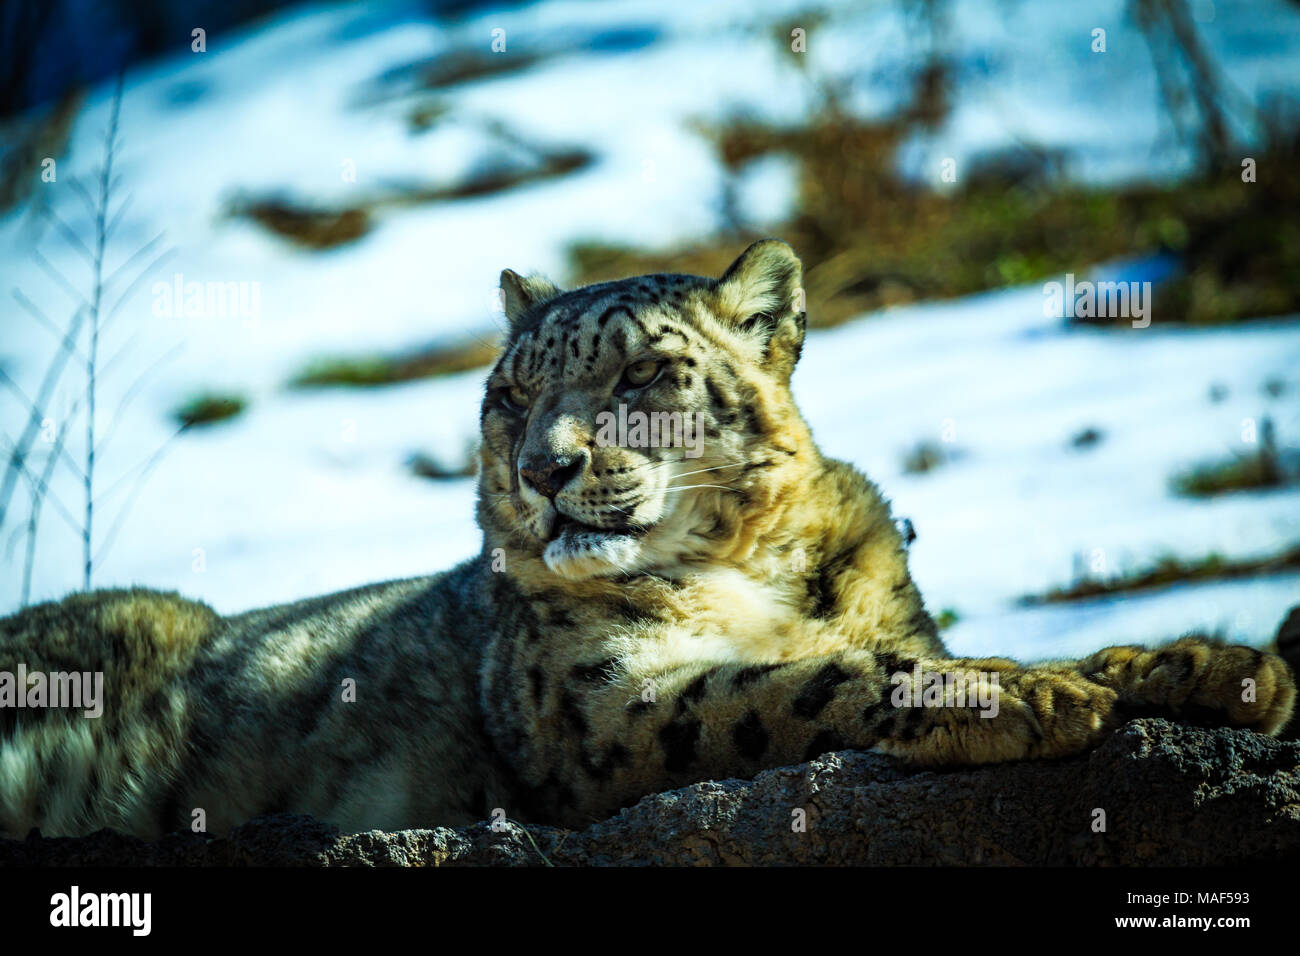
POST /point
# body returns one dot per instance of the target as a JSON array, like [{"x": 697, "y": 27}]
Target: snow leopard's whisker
[
  {"x": 692, "y": 487},
  {"x": 666, "y": 463},
  {"x": 729, "y": 464},
  {"x": 700, "y": 471}
]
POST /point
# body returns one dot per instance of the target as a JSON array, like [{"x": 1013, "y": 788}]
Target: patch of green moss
[
  {"x": 208, "y": 408},
  {"x": 925, "y": 457},
  {"x": 1243, "y": 473},
  {"x": 1254, "y": 471}
]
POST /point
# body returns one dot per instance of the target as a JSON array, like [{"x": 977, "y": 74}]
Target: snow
[
  {"x": 1012, "y": 513},
  {"x": 307, "y": 492}
]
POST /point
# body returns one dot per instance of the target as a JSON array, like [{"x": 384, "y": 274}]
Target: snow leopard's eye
[
  {"x": 513, "y": 398},
  {"x": 641, "y": 373}
]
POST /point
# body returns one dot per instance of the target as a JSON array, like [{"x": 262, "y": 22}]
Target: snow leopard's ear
[
  {"x": 520, "y": 294},
  {"x": 762, "y": 294}
]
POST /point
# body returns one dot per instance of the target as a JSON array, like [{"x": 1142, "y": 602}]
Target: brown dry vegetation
[
  {"x": 445, "y": 358},
  {"x": 870, "y": 241},
  {"x": 1170, "y": 570},
  {"x": 208, "y": 408},
  {"x": 318, "y": 227},
  {"x": 1260, "y": 469}
]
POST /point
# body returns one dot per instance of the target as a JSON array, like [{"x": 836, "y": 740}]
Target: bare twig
[
  {"x": 135, "y": 388},
  {"x": 35, "y": 413},
  {"x": 125, "y": 509},
  {"x": 130, "y": 260},
  {"x": 1186, "y": 74},
  {"x": 120, "y": 214},
  {"x": 59, "y": 279},
  {"x": 24, "y": 443},
  {"x": 60, "y": 335},
  {"x": 109, "y": 292},
  {"x": 70, "y": 235},
  {"x": 131, "y": 287},
  {"x": 78, "y": 187},
  {"x": 97, "y": 295},
  {"x": 63, "y": 510},
  {"x": 39, "y": 492}
]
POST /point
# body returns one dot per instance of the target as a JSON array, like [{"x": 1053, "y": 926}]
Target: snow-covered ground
[
  {"x": 307, "y": 491},
  {"x": 1018, "y": 508}
]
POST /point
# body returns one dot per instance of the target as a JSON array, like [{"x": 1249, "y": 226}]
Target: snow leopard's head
[{"x": 640, "y": 425}]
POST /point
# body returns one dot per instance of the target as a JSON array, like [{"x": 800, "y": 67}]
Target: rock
[{"x": 1170, "y": 795}]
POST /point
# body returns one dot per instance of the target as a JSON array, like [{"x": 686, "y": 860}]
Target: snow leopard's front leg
[{"x": 612, "y": 733}]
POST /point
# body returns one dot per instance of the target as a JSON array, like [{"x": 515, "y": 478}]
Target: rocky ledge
[{"x": 1154, "y": 793}]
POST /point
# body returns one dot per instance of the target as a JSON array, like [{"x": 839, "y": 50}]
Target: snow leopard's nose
[{"x": 549, "y": 475}]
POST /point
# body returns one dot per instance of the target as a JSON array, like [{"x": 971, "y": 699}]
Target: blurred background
[{"x": 249, "y": 254}]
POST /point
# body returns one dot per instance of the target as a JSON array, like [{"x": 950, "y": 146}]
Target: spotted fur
[{"x": 637, "y": 619}]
